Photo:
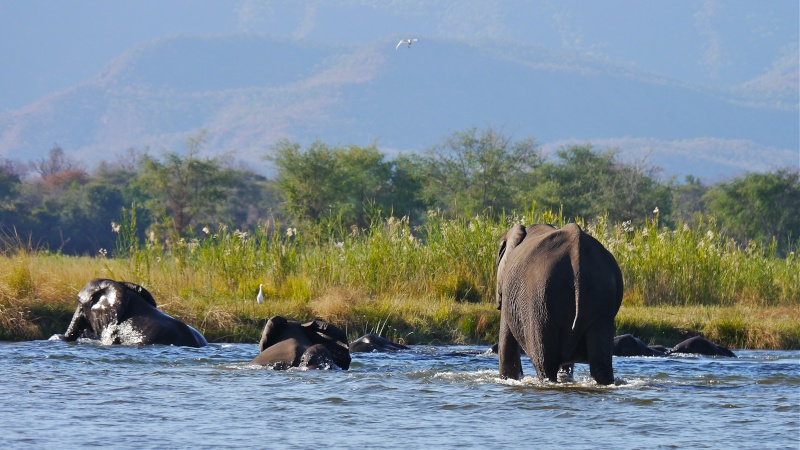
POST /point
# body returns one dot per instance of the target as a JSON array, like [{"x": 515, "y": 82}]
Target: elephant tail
[
  {"x": 576, "y": 270},
  {"x": 575, "y": 257}
]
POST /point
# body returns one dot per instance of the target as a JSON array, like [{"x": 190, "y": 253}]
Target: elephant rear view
[{"x": 558, "y": 291}]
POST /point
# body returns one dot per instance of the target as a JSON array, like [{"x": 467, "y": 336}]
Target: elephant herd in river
[{"x": 558, "y": 292}]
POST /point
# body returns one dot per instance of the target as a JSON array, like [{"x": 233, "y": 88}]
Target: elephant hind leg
[
  {"x": 551, "y": 367},
  {"x": 508, "y": 352},
  {"x": 600, "y": 346}
]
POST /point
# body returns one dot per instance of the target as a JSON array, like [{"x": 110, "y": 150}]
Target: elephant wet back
[{"x": 559, "y": 291}]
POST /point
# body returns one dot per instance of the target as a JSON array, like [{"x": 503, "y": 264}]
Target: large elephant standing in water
[
  {"x": 126, "y": 313},
  {"x": 558, "y": 291},
  {"x": 312, "y": 345}
]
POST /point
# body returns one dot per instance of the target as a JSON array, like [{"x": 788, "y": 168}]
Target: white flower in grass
[
  {"x": 655, "y": 211},
  {"x": 103, "y": 252},
  {"x": 339, "y": 245},
  {"x": 115, "y": 227},
  {"x": 206, "y": 230}
]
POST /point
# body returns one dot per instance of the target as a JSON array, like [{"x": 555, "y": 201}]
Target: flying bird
[
  {"x": 260, "y": 296},
  {"x": 405, "y": 41}
]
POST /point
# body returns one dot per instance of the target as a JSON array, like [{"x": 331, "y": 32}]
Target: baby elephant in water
[{"x": 313, "y": 345}]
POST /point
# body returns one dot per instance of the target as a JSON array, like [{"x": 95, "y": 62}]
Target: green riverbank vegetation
[
  {"x": 429, "y": 284},
  {"x": 401, "y": 246}
]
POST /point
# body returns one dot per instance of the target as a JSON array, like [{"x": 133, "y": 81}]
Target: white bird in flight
[
  {"x": 260, "y": 296},
  {"x": 405, "y": 41}
]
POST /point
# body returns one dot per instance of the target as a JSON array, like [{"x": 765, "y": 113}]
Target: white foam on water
[{"x": 125, "y": 333}]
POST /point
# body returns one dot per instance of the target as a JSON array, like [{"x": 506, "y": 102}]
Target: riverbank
[
  {"x": 431, "y": 284},
  {"x": 43, "y": 306}
]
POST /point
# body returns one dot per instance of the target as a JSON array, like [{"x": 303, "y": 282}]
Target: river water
[{"x": 55, "y": 394}]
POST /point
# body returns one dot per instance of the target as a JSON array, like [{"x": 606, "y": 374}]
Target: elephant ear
[
  {"x": 512, "y": 238},
  {"x": 144, "y": 293},
  {"x": 272, "y": 331}
]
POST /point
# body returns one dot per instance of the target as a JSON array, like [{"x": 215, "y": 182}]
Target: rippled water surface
[{"x": 66, "y": 395}]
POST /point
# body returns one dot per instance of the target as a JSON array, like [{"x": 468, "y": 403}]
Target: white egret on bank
[{"x": 260, "y": 296}]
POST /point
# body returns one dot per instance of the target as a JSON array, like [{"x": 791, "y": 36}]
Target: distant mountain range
[{"x": 249, "y": 91}]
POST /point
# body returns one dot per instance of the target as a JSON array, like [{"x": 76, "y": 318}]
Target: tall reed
[{"x": 435, "y": 281}]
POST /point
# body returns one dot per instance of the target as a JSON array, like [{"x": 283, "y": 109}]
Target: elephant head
[
  {"x": 317, "y": 357},
  {"x": 373, "y": 343},
  {"x": 101, "y": 303},
  {"x": 126, "y": 313},
  {"x": 701, "y": 346},
  {"x": 630, "y": 345}
]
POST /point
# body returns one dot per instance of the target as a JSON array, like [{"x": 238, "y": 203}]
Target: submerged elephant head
[
  {"x": 126, "y": 313},
  {"x": 371, "y": 342},
  {"x": 630, "y": 345},
  {"x": 701, "y": 346}
]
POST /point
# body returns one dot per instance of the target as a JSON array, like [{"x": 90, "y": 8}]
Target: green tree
[
  {"x": 588, "y": 183},
  {"x": 405, "y": 190},
  {"x": 185, "y": 190},
  {"x": 347, "y": 182},
  {"x": 13, "y": 214},
  {"x": 253, "y": 199},
  {"x": 687, "y": 200},
  {"x": 760, "y": 207},
  {"x": 310, "y": 179},
  {"x": 477, "y": 171}
]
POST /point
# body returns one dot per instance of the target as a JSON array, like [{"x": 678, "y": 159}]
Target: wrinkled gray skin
[
  {"x": 313, "y": 345},
  {"x": 126, "y": 313},
  {"x": 701, "y": 346},
  {"x": 373, "y": 343},
  {"x": 630, "y": 345},
  {"x": 558, "y": 291}
]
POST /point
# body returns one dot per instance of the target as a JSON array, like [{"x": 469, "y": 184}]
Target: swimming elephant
[
  {"x": 558, "y": 291},
  {"x": 630, "y": 345},
  {"x": 126, "y": 313},
  {"x": 313, "y": 345},
  {"x": 373, "y": 343},
  {"x": 701, "y": 346}
]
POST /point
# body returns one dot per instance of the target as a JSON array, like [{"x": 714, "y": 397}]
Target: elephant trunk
[{"x": 76, "y": 326}]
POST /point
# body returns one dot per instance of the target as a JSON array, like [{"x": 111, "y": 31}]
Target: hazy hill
[{"x": 248, "y": 91}]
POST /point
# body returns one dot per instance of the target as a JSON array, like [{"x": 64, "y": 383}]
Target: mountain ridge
[{"x": 249, "y": 91}]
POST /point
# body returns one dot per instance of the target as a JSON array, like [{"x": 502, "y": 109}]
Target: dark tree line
[{"x": 57, "y": 204}]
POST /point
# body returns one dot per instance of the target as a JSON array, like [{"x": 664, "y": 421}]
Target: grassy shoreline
[{"x": 432, "y": 284}]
